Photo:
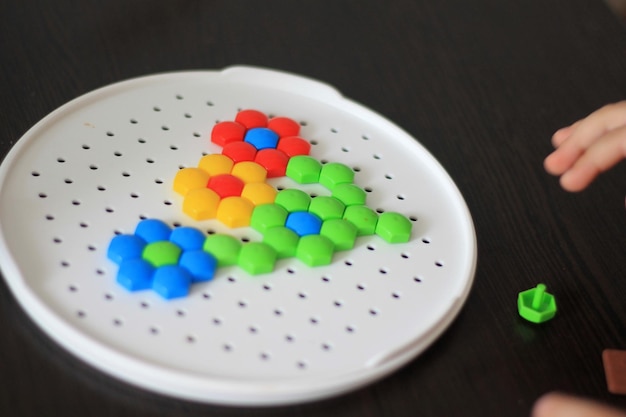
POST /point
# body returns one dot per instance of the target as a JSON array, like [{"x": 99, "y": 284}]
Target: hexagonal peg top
[
  {"x": 335, "y": 173},
  {"x": 349, "y": 194},
  {"x": 224, "y": 248},
  {"x": 216, "y": 164},
  {"x": 161, "y": 253},
  {"x": 293, "y": 146},
  {"x": 268, "y": 216},
  {"x": 227, "y": 132},
  {"x": 257, "y": 258},
  {"x": 293, "y": 199},
  {"x": 261, "y": 138},
  {"x": 251, "y": 118},
  {"x": 188, "y": 179},
  {"x": 153, "y": 230},
  {"x": 304, "y": 169},
  {"x": 393, "y": 227},
  {"x": 284, "y": 126}
]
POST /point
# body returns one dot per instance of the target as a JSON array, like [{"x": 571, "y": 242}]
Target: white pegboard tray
[{"x": 98, "y": 164}]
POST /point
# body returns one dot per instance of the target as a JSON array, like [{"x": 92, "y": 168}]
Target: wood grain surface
[{"x": 482, "y": 84}]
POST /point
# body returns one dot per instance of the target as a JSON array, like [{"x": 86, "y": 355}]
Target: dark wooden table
[{"x": 482, "y": 84}]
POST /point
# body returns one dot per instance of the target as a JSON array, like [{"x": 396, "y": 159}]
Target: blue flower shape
[{"x": 159, "y": 258}]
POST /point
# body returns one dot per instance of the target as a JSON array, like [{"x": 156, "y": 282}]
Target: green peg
[
  {"x": 536, "y": 305},
  {"x": 538, "y": 296}
]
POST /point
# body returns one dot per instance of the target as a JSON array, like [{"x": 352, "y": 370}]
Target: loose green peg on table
[{"x": 536, "y": 305}]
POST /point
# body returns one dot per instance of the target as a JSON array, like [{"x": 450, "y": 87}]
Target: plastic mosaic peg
[
  {"x": 614, "y": 362},
  {"x": 161, "y": 253},
  {"x": 536, "y": 305},
  {"x": 250, "y": 118},
  {"x": 249, "y": 172},
  {"x": 188, "y": 179},
  {"x": 327, "y": 208},
  {"x": 135, "y": 274},
  {"x": 216, "y": 164},
  {"x": 235, "y": 212},
  {"x": 349, "y": 194},
  {"x": 239, "y": 151},
  {"x": 171, "y": 281},
  {"x": 393, "y": 227},
  {"x": 200, "y": 264},
  {"x": 303, "y": 223},
  {"x": 294, "y": 146},
  {"x": 293, "y": 199},
  {"x": 226, "y": 185},
  {"x": 268, "y": 216},
  {"x": 283, "y": 240},
  {"x": 363, "y": 218},
  {"x": 187, "y": 238},
  {"x": 261, "y": 138},
  {"x": 315, "y": 250},
  {"x": 125, "y": 247},
  {"x": 259, "y": 193},
  {"x": 224, "y": 133},
  {"x": 304, "y": 169},
  {"x": 335, "y": 173},
  {"x": 257, "y": 258},
  {"x": 224, "y": 248},
  {"x": 284, "y": 126},
  {"x": 274, "y": 161},
  {"x": 201, "y": 204},
  {"x": 153, "y": 230},
  {"x": 341, "y": 232}
]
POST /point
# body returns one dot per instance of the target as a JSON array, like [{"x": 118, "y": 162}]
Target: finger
[
  {"x": 563, "y": 133},
  {"x": 587, "y": 131},
  {"x": 561, "y": 159},
  {"x": 559, "y": 405},
  {"x": 601, "y": 156},
  {"x": 608, "y": 117}
]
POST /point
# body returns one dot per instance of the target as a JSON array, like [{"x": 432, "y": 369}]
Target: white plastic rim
[{"x": 96, "y": 165}]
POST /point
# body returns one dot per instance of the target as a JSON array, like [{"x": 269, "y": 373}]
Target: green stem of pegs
[{"x": 538, "y": 296}]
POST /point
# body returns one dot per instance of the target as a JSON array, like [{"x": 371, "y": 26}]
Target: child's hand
[
  {"x": 589, "y": 147},
  {"x": 557, "y": 405}
]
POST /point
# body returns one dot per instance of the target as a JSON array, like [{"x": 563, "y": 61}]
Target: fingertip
[
  {"x": 548, "y": 165},
  {"x": 545, "y": 405},
  {"x": 573, "y": 182},
  {"x": 561, "y": 135},
  {"x": 555, "y": 404},
  {"x": 555, "y": 164},
  {"x": 557, "y": 139}
]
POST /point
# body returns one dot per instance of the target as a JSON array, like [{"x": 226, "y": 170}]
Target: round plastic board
[{"x": 98, "y": 164}]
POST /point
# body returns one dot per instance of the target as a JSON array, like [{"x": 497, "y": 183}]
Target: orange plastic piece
[
  {"x": 201, "y": 204},
  {"x": 251, "y": 118},
  {"x": 216, "y": 164},
  {"x": 226, "y": 185},
  {"x": 284, "y": 126},
  {"x": 259, "y": 193},
  {"x": 235, "y": 211},
  {"x": 249, "y": 172},
  {"x": 227, "y": 132},
  {"x": 239, "y": 151},
  {"x": 294, "y": 145},
  {"x": 274, "y": 161},
  {"x": 188, "y": 179},
  {"x": 614, "y": 361}
]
